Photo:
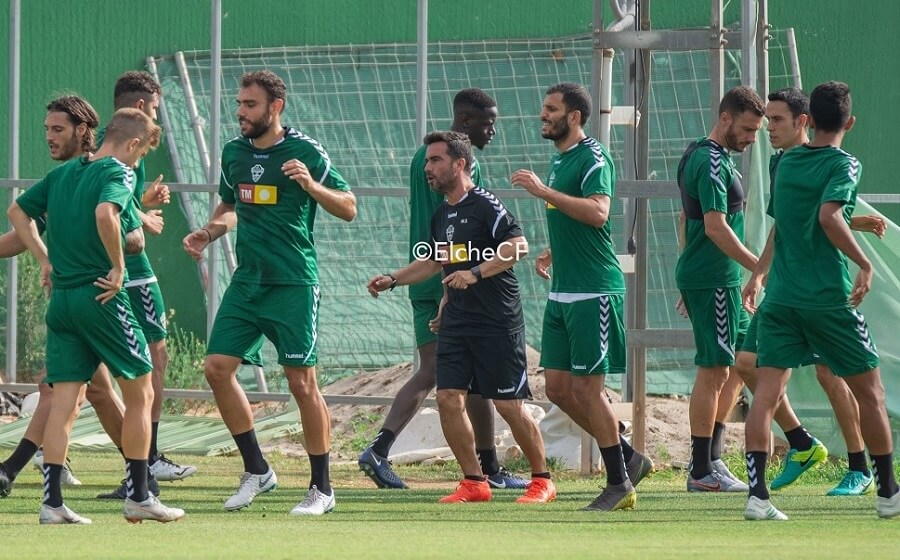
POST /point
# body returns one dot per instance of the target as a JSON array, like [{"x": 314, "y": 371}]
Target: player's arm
[
  {"x": 869, "y": 224},
  {"x": 109, "y": 227},
  {"x": 224, "y": 218},
  {"x": 152, "y": 221},
  {"x": 831, "y": 219},
  {"x": 10, "y": 245},
  {"x": 592, "y": 210},
  {"x": 509, "y": 252},
  {"x": 760, "y": 273},
  {"x": 682, "y": 230},
  {"x": 417, "y": 271},
  {"x": 134, "y": 242},
  {"x": 25, "y": 229},
  {"x": 720, "y": 233},
  {"x": 338, "y": 203}
]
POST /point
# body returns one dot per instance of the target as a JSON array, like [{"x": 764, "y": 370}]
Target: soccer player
[
  {"x": 708, "y": 272},
  {"x": 273, "y": 180},
  {"x": 140, "y": 91},
  {"x": 476, "y": 242},
  {"x": 583, "y": 336},
  {"x": 811, "y": 302},
  {"x": 788, "y": 112},
  {"x": 89, "y": 318},
  {"x": 474, "y": 114},
  {"x": 70, "y": 127}
]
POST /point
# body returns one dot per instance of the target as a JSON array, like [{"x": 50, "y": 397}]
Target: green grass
[{"x": 370, "y": 523}]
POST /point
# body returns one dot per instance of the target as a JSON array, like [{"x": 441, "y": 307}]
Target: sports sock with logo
[
  {"x": 154, "y": 452},
  {"x": 627, "y": 450},
  {"x": 614, "y": 462},
  {"x": 718, "y": 441},
  {"x": 319, "y": 478},
  {"x": 19, "y": 458},
  {"x": 254, "y": 463},
  {"x": 700, "y": 461},
  {"x": 857, "y": 462},
  {"x": 756, "y": 474},
  {"x": 52, "y": 486},
  {"x": 488, "y": 459},
  {"x": 382, "y": 443},
  {"x": 883, "y": 465},
  {"x": 799, "y": 438},
  {"x": 136, "y": 479}
]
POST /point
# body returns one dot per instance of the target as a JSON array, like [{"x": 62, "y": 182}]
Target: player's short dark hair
[
  {"x": 795, "y": 98},
  {"x": 132, "y": 86},
  {"x": 270, "y": 82},
  {"x": 830, "y": 105},
  {"x": 742, "y": 99},
  {"x": 473, "y": 98},
  {"x": 575, "y": 98},
  {"x": 458, "y": 145},
  {"x": 128, "y": 123},
  {"x": 79, "y": 111}
]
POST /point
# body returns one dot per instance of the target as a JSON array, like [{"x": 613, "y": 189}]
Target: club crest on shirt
[
  {"x": 450, "y": 231},
  {"x": 257, "y": 171}
]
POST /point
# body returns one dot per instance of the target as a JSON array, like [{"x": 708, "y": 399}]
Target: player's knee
[
  {"x": 218, "y": 370},
  {"x": 302, "y": 383},
  {"x": 450, "y": 401}
]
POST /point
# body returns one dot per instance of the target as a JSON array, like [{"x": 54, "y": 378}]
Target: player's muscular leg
[
  {"x": 728, "y": 396},
  {"x": 159, "y": 356},
  {"x": 769, "y": 389},
  {"x": 869, "y": 393},
  {"x": 313, "y": 410},
  {"x": 745, "y": 367},
  {"x": 560, "y": 392},
  {"x": 458, "y": 430},
  {"x": 411, "y": 396},
  {"x": 35, "y": 430},
  {"x": 705, "y": 398},
  {"x": 525, "y": 431},
  {"x": 591, "y": 396},
  {"x": 221, "y": 374},
  {"x": 846, "y": 410},
  {"x": 138, "y": 396},
  {"x": 59, "y": 423},
  {"x": 109, "y": 407}
]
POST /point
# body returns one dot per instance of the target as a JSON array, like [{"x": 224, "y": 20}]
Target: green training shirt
[
  {"x": 584, "y": 260},
  {"x": 423, "y": 202},
  {"x": 808, "y": 272},
  {"x": 275, "y": 244},
  {"x": 70, "y": 195},
  {"x": 708, "y": 182},
  {"x": 138, "y": 265}
]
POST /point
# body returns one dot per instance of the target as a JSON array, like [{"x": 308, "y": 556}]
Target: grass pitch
[{"x": 369, "y": 523}]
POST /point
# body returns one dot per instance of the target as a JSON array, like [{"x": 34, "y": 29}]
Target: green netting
[{"x": 359, "y": 101}]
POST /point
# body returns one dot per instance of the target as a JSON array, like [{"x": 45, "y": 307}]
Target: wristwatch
[
  {"x": 476, "y": 271},
  {"x": 393, "y": 281}
]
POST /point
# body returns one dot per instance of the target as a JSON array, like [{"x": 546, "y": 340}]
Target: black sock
[
  {"x": 614, "y": 463},
  {"x": 799, "y": 438},
  {"x": 718, "y": 441},
  {"x": 488, "y": 459},
  {"x": 52, "y": 485},
  {"x": 154, "y": 452},
  {"x": 136, "y": 472},
  {"x": 627, "y": 450},
  {"x": 254, "y": 463},
  {"x": 756, "y": 474},
  {"x": 319, "y": 478},
  {"x": 473, "y": 477},
  {"x": 541, "y": 475},
  {"x": 883, "y": 465},
  {"x": 700, "y": 462},
  {"x": 19, "y": 458},
  {"x": 857, "y": 462},
  {"x": 382, "y": 443}
]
